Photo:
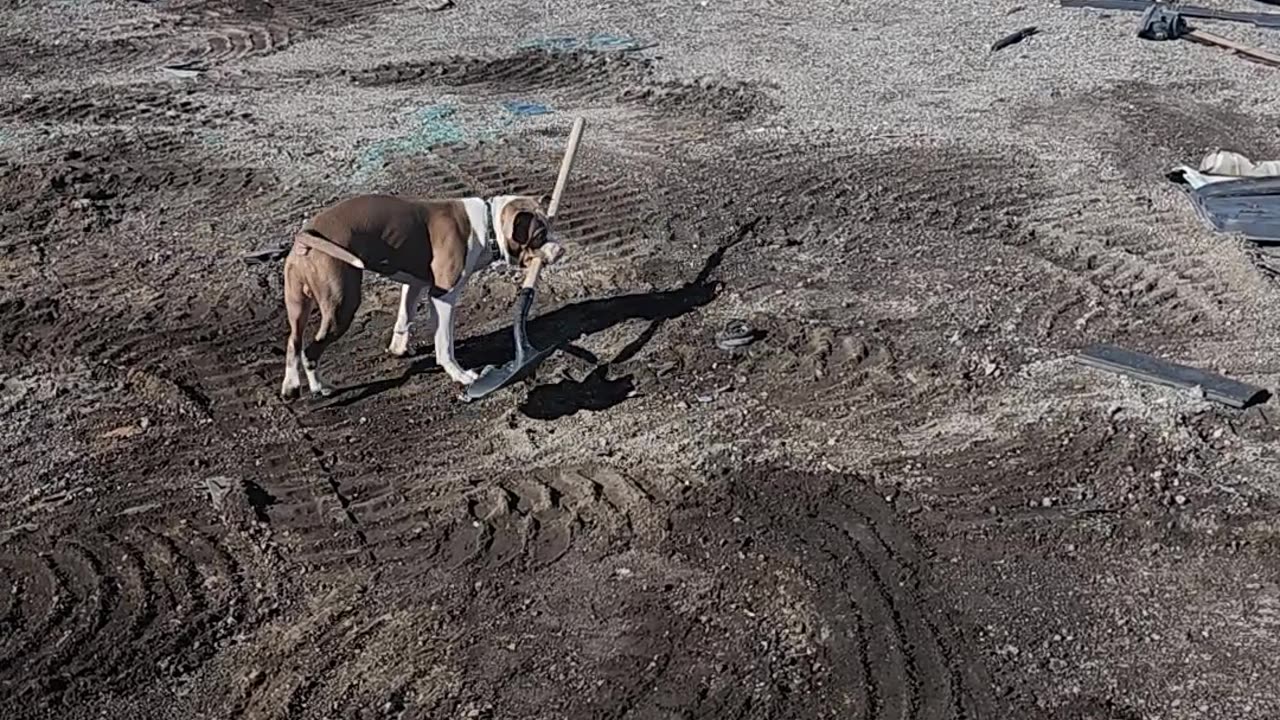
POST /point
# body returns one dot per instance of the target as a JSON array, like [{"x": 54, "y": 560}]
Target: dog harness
[{"x": 492, "y": 241}]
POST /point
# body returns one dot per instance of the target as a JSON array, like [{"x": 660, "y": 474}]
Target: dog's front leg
[
  {"x": 409, "y": 295},
  {"x": 444, "y": 339}
]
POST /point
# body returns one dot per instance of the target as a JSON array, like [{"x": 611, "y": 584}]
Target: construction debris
[
  {"x": 265, "y": 255},
  {"x": 1014, "y": 38},
  {"x": 218, "y": 488},
  {"x": 1233, "y": 194},
  {"x": 1257, "y": 19},
  {"x": 735, "y": 334},
  {"x": 1161, "y": 23},
  {"x": 1148, "y": 368}
]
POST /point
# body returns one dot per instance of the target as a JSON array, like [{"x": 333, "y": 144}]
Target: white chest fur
[{"x": 478, "y": 242}]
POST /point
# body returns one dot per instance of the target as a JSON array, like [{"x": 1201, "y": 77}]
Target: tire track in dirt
[
  {"x": 515, "y": 523},
  {"x": 1089, "y": 471},
  {"x": 529, "y": 519},
  {"x": 305, "y": 659},
  {"x": 289, "y": 458},
  {"x": 1107, "y": 240},
  {"x": 840, "y": 369},
  {"x": 211, "y": 33},
  {"x": 773, "y": 595},
  {"x": 88, "y": 193},
  {"x": 237, "y": 29},
  {"x": 861, "y": 194},
  {"x": 145, "y": 590},
  {"x": 129, "y": 105},
  {"x": 1085, "y": 270},
  {"x": 95, "y": 186},
  {"x": 218, "y": 354},
  {"x": 1122, "y": 262},
  {"x": 577, "y": 79},
  {"x": 889, "y": 641}
]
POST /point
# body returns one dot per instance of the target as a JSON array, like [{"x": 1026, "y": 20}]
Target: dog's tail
[{"x": 311, "y": 239}]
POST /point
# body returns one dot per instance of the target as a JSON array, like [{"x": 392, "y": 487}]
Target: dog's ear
[{"x": 523, "y": 228}]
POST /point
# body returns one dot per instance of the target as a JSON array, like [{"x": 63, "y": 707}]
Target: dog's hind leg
[
  {"x": 298, "y": 308},
  {"x": 337, "y": 310},
  {"x": 409, "y": 295}
]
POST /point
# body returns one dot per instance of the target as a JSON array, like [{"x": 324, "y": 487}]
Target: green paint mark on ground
[
  {"x": 437, "y": 126},
  {"x": 434, "y": 128}
]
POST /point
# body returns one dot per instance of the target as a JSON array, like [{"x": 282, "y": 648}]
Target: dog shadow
[{"x": 559, "y": 328}]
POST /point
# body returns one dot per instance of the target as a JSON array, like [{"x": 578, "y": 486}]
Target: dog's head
[{"x": 523, "y": 230}]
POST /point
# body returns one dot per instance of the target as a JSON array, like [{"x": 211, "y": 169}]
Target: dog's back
[{"x": 382, "y": 230}]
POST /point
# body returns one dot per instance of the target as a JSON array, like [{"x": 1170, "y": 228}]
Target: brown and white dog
[{"x": 431, "y": 245}]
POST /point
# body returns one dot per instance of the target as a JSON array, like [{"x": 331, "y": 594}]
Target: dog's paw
[
  {"x": 289, "y": 391},
  {"x": 323, "y": 391},
  {"x": 399, "y": 346},
  {"x": 463, "y": 377}
]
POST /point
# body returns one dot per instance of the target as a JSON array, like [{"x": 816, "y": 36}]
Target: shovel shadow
[{"x": 563, "y": 325}]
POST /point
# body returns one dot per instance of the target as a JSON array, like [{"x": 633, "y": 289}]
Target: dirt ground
[{"x": 904, "y": 500}]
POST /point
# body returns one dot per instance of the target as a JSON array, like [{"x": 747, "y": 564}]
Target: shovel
[{"x": 527, "y": 356}]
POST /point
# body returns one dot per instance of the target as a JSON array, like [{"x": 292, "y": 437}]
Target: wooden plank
[
  {"x": 1152, "y": 369},
  {"x": 1261, "y": 56}
]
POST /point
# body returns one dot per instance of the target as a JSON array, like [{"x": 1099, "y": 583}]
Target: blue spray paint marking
[
  {"x": 524, "y": 108},
  {"x": 561, "y": 44},
  {"x": 605, "y": 41},
  {"x": 600, "y": 42}
]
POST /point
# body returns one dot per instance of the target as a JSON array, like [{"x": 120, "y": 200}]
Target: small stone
[
  {"x": 1180, "y": 499},
  {"x": 1046, "y": 502}
]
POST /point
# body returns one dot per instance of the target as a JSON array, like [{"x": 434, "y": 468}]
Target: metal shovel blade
[{"x": 527, "y": 356}]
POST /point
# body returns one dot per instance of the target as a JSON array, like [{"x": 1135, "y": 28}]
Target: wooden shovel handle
[
  {"x": 531, "y": 273},
  {"x": 535, "y": 265},
  {"x": 565, "y": 165}
]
